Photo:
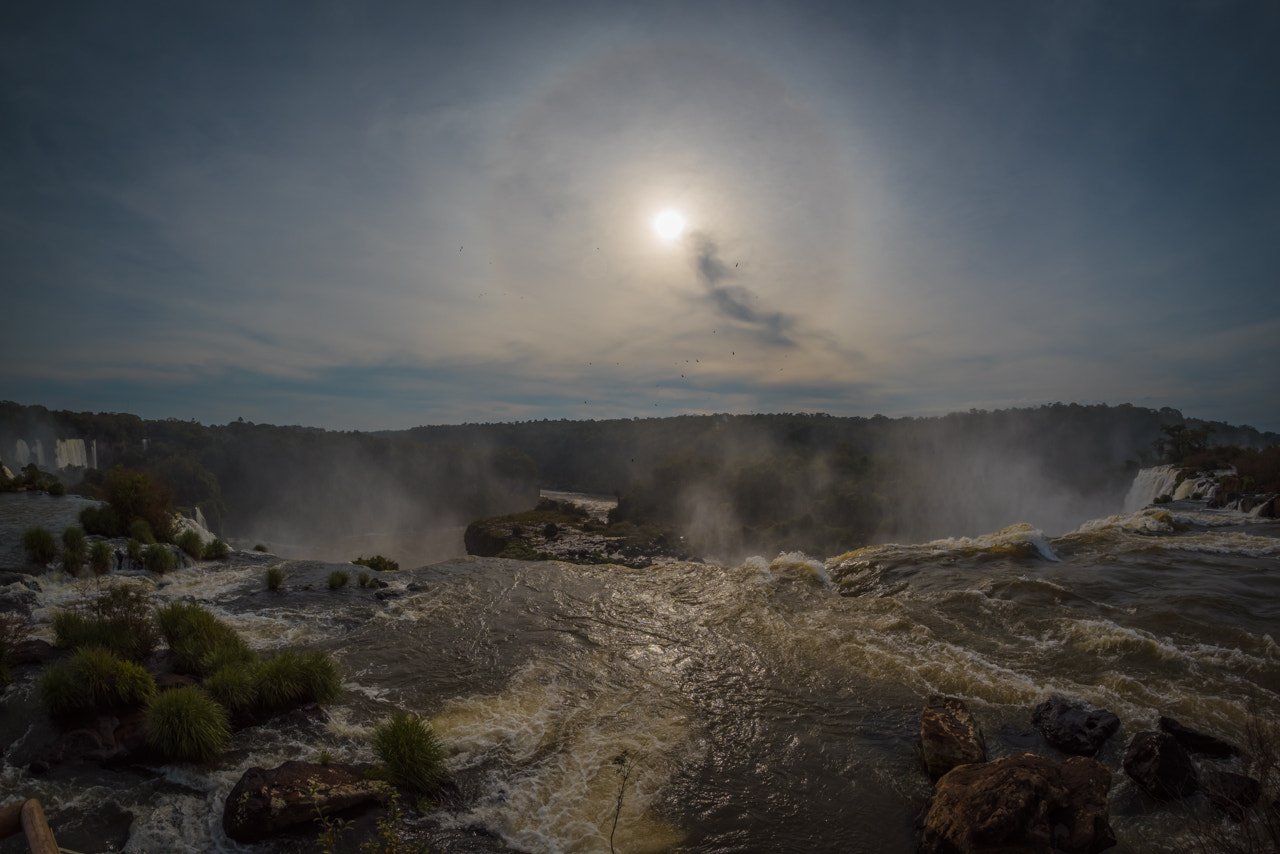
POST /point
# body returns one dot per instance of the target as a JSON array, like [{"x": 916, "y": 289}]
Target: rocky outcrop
[
  {"x": 1024, "y": 803},
  {"x": 1198, "y": 742},
  {"x": 266, "y": 802},
  {"x": 1161, "y": 766},
  {"x": 1072, "y": 728},
  {"x": 949, "y": 736}
]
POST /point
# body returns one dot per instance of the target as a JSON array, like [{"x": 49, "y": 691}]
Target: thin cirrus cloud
[{"x": 380, "y": 217}]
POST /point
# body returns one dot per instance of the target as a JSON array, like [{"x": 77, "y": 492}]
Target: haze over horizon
[{"x": 378, "y": 216}]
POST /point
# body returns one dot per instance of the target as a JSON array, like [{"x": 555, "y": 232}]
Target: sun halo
[{"x": 669, "y": 224}]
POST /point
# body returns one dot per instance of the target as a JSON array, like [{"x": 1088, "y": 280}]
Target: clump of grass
[
  {"x": 101, "y": 519},
  {"x": 275, "y": 578},
  {"x": 133, "y": 550},
  {"x": 157, "y": 558},
  {"x": 216, "y": 550},
  {"x": 118, "y": 620},
  {"x": 39, "y": 545},
  {"x": 141, "y": 531},
  {"x": 291, "y": 678},
  {"x": 337, "y": 579},
  {"x": 364, "y": 579},
  {"x": 378, "y": 563},
  {"x": 100, "y": 557},
  {"x": 94, "y": 678},
  {"x": 14, "y": 628},
  {"x": 411, "y": 751},
  {"x": 234, "y": 686},
  {"x": 188, "y": 725},
  {"x": 189, "y": 541},
  {"x": 201, "y": 642},
  {"x": 259, "y": 548}
]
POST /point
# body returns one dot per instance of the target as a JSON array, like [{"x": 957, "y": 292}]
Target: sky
[{"x": 376, "y": 215}]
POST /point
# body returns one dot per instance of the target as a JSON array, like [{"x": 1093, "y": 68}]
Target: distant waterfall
[{"x": 1149, "y": 485}]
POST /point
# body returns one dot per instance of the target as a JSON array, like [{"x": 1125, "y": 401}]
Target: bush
[
  {"x": 413, "y": 755},
  {"x": 100, "y": 557},
  {"x": 189, "y": 541},
  {"x": 62, "y": 691},
  {"x": 73, "y": 540},
  {"x": 141, "y": 531},
  {"x": 133, "y": 549},
  {"x": 118, "y": 620},
  {"x": 234, "y": 686},
  {"x": 186, "y": 724},
  {"x": 259, "y": 548},
  {"x": 275, "y": 578},
  {"x": 216, "y": 550},
  {"x": 364, "y": 579},
  {"x": 290, "y": 679},
  {"x": 39, "y": 545},
  {"x": 137, "y": 497},
  {"x": 101, "y": 519},
  {"x": 158, "y": 558},
  {"x": 94, "y": 678},
  {"x": 57, "y": 487},
  {"x": 378, "y": 563},
  {"x": 201, "y": 642},
  {"x": 72, "y": 561},
  {"x": 337, "y": 579}
]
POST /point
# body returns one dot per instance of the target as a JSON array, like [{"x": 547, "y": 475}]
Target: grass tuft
[
  {"x": 188, "y": 725},
  {"x": 189, "y": 541},
  {"x": 201, "y": 642},
  {"x": 159, "y": 559},
  {"x": 337, "y": 579},
  {"x": 39, "y": 545},
  {"x": 275, "y": 578},
  {"x": 411, "y": 751}
]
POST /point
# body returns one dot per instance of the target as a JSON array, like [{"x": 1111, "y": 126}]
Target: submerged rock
[
  {"x": 1160, "y": 766},
  {"x": 949, "y": 735},
  {"x": 1024, "y": 803},
  {"x": 1231, "y": 793},
  {"x": 265, "y": 802},
  {"x": 1073, "y": 729},
  {"x": 1198, "y": 742}
]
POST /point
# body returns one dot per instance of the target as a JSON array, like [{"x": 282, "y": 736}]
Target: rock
[
  {"x": 1231, "y": 793},
  {"x": 1160, "y": 766},
  {"x": 949, "y": 735},
  {"x": 1198, "y": 742},
  {"x": 1025, "y": 804},
  {"x": 1073, "y": 729},
  {"x": 38, "y": 652},
  {"x": 265, "y": 802}
]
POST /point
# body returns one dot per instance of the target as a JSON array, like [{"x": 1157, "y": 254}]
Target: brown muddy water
[{"x": 772, "y": 706}]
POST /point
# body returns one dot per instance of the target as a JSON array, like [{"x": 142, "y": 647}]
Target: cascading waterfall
[{"x": 1148, "y": 485}]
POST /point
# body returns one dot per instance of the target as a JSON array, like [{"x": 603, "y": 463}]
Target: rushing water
[{"x": 773, "y": 706}]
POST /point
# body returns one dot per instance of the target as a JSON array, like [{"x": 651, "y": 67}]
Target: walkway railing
[{"x": 27, "y": 817}]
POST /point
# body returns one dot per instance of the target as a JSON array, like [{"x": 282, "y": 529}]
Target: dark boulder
[
  {"x": 1198, "y": 742},
  {"x": 949, "y": 735},
  {"x": 1160, "y": 766},
  {"x": 1024, "y": 803},
  {"x": 1231, "y": 793},
  {"x": 1073, "y": 729},
  {"x": 266, "y": 802}
]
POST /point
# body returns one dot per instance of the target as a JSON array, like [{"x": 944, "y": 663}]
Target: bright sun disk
[{"x": 668, "y": 224}]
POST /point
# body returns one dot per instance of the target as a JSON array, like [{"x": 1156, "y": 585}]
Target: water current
[{"x": 772, "y": 706}]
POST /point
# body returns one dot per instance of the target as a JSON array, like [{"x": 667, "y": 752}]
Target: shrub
[
  {"x": 119, "y": 620},
  {"x": 39, "y": 545},
  {"x": 101, "y": 519},
  {"x": 337, "y": 579},
  {"x": 100, "y": 557},
  {"x": 291, "y": 678},
  {"x": 201, "y": 642},
  {"x": 189, "y": 541},
  {"x": 72, "y": 561},
  {"x": 57, "y": 487},
  {"x": 234, "y": 686},
  {"x": 73, "y": 540},
  {"x": 63, "y": 692},
  {"x": 136, "y": 496},
  {"x": 275, "y": 578},
  {"x": 378, "y": 563},
  {"x": 186, "y": 724},
  {"x": 413, "y": 755},
  {"x": 364, "y": 579},
  {"x": 259, "y": 548},
  {"x": 216, "y": 550},
  {"x": 141, "y": 531},
  {"x": 133, "y": 549},
  {"x": 158, "y": 558},
  {"x": 94, "y": 677}
]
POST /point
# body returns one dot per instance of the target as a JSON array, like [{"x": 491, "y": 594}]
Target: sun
[{"x": 669, "y": 224}]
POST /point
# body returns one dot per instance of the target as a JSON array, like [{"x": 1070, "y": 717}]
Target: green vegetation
[
  {"x": 101, "y": 519},
  {"x": 14, "y": 629},
  {"x": 364, "y": 579},
  {"x": 259, "y": 548},
  {"x": 275, "y": 578},
  {"x": 201, "y": 642},
  {"x": 140, "y": 530},
  {"x": 157, "y": 558},
  {"x": 291, "y": 678},
  {"x": 133, "y": 549},
  {"x": 189, "y": 541},
  {"x": 94, "y": 678},
  {"x": 100, "y": 557},
  {"x": 412, "y": 754},
  {"x": 188, "y": 725},
  {"x": 216, "y": 550},
  {"x": 39, "y": 545},
  {"x": 118, "y": 620},
  {"x": 337, "y": 579},
  {"x": 57, "y": 487},
  {"x": 74, "y": 550},
  {"x": 378, "y": 563},
  {"x": 137, "y": 496}
]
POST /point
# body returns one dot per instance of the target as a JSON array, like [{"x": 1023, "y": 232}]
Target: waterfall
[
  {"x": 1149, "y": 485},
  {"x": 70, "y": 452}
]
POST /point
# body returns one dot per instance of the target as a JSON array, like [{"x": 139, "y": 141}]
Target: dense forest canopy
[{"x": 728, "y": 482}]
